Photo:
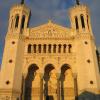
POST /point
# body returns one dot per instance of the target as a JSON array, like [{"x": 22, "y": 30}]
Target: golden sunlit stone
[{"x": 49, "y": 62}]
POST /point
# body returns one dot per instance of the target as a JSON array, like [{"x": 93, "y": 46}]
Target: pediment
[{"x": 51, "y": 30}]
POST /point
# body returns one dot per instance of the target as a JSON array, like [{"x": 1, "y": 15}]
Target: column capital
[
  {"x": 41, "y": 75},
  {"x": 24, "y": 75},
  {"x": 74, "y": 75},
  {"x": 58, "y": 75}
]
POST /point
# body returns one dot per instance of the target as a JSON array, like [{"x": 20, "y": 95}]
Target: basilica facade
[{"x": 49, "y": 62}]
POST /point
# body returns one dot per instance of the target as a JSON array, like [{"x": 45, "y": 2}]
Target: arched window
[
  {"x": 17, "y": 21},
  {"x": 34, "y": 48},
  {"x": 44, "y": 48},
  {"x": 64, "y": 48},
  {"x": 39, "y": 48},
  {"x": 59, "y": 48},
  {"x": 76, "y": 22},
  {"x": 82, "y": 21},
  {"x": 69, "y": 48},
  {"x": 88, "y": 21},
  {"x": 23, "y": 22},
  {"x": 30, "y": 76},
  {"x": 49, "y": 48},
  {"x": 54, "y": 48},
  {"x": 29, "y": 48}
]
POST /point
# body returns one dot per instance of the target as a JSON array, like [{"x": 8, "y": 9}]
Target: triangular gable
[{"x": 50, "y": 30}]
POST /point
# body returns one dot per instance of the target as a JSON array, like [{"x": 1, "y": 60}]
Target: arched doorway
[
  {"x": 67, "y": 83},
  {"x": 28, "y": 81},
  {"x": 49, "y": 89}
]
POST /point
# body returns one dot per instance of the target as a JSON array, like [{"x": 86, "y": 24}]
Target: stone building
[{"x": 49, "y": 62}]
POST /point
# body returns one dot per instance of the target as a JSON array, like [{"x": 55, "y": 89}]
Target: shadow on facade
[
  {"x": 64, "y": 68},
  {"x": 48, "y": 69},
  {"x": 88, "y": 96},
  {"x": 31, "y": 75},
  {"x": 28, "y": 81}
]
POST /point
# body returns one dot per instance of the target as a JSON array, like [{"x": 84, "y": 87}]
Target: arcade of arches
[{"x": 49, "y": 85}]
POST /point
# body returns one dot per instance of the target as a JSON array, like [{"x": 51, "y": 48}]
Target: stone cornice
[
  {"x": 66, "y": 56},
  {"x": 9, "y": 91},
  {"x": 84, "y": 36},
  {"x": 19, "y": 6}
]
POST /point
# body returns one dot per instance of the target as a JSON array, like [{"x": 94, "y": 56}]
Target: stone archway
[
  {"x": 67, "y": 83},
  {"x": 49, "y": 90},
  {"x": 28, "y": 81}
]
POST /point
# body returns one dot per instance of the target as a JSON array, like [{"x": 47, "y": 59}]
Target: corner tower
[
  {"x": 19, "y": 18},
  {"x": 80, "y": 18},
  {"x": 11, "y": 68},
  {"x": 87, "y": 70}
]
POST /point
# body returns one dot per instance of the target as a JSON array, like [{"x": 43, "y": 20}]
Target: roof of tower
[
  {"x": 22, "y": 1},
  {"x": 20, "y": 6},
  {"x": 77, "y": 2}
]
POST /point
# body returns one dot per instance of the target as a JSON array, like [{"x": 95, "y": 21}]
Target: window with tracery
[
  {"x": 34, "y": 48},
  {"x": 44, "y": 48},
  {"x": 59, "y": 48},
  {"x": 64, "y": 48},
  {"x": 17, "y": 21},
  {"x": 39, "y": 48},
  {"x": 76, "y": 22},
  {"x": 54, "y": 48},
  {"x": 69, "y": 48},
  {"x": 82, "y": 21},
  {"x": 49, "y": 48},
  {"x": 29, "y": 48},
  {"x": 23, "y": 22}
]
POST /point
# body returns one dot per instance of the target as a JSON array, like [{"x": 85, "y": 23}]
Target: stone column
[
  {"x": 75, "y": 86},
  {"x": 41, "y": 86},
  {"x": 42, "y": 49},
  {"x": 32, "y": 49},
  {"x": 58, "y": 86},
  {"x": 52, "y": 48},
  {"x": 23, "y": 88}
]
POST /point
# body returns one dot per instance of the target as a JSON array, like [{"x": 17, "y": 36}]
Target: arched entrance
[
  {"x": 67, "y": 83},
  {"x": 49, "y": 88},
  {"x": 28, "y": 81}
]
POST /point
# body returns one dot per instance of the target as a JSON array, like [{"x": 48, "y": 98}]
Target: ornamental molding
[
  {"x": 84, "y": 36},
  {"x": 69, "y": 57},
  {"x": 51, "y": 30}
]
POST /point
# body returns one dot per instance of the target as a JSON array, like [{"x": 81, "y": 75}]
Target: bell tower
[
  {"x": 19, "y": 18},
  {"x": 11, "y": 68},
  {"x": 87, "y": 67},
  {"x": 80, "y": 18}
]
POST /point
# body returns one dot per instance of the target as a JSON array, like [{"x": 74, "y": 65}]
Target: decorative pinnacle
[
  {"x": 50, "y": 21},
  {"x": 22, "y": 1},
  {"x": 77, "y": 2}
]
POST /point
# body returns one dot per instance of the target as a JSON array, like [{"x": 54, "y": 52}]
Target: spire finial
[
  {"x": 22, "y": 1},
  {"x": 77, "y": 2}
]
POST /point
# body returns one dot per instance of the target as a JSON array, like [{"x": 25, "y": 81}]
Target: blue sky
[{"x": 43, "y": 10}]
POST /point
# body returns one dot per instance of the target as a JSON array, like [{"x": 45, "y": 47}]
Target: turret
[
  {"x": 19, "y": 18},
  {"x": 80, "y": 18},
  {"x": 12, "y": 61}
]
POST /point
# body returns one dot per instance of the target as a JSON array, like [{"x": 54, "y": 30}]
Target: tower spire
[
  {"x": 77, "y": 2},
  {"x": 22, "y": 1}
]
